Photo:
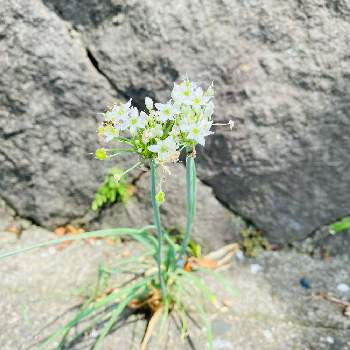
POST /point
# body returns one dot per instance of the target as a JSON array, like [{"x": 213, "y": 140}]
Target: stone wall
[{"x": 281, "y": 71}]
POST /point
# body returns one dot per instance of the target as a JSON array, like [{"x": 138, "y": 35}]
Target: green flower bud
[
  {"x": 101, "y": 154},
  {"x": 160, "y": 197}
]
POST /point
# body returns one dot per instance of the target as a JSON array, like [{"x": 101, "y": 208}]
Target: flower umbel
[{"x": 162, "y": 130}]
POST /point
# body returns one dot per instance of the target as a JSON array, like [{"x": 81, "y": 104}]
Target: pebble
[
  {"x": 342, "y": 287},
  {"x": 255, "y": 268},
  {"x": 268, "y": 335},
  {"x": 240, "y": 255},
  {"x": 220, "y": 344},
  {"x": 330, "y": 340},
  {"x": 305, "y": 283}
]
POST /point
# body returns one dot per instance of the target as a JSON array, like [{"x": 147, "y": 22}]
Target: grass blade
[
  {"x": 114, "y": 318},
  {"x": 135, "y": 233},
  {"x": 85, "y": 312}
]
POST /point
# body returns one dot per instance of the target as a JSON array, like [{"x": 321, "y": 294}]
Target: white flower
[
  {"x": 146, "y": 136},
  {"x": 165, "y": 149},
  {"x": 151, "y": 133},
  {"x": 108, "y": 135},
  {"x": 149, "y": 103},
  {"x": 175, "y": 131},
  {"x": 167, "y": 111},
  {"x": 137, "y": 121},
  {"x": 198, "y": 131},
  {"x": 182, "y": 93},
  {"x": 188, "y": 121},
  {"x": 122, "y": 123},
  {"x": 156, "y": 131},
  {"x": 198, "y": 99},
  {"x": 185, "y": 120},
  {"x": 107, "y": 131},
  {"x": 121, "y": 115},
  {"x": 121, "y": 110},
  {"x": 109, "y": 116}
]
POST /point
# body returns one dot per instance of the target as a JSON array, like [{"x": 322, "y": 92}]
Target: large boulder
[{"x": 281, "y": 70}]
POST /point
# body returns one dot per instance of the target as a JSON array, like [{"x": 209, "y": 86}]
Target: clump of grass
[
  {"x": 254, "y": 242},
  {"x": 112, "y": 191},
  {"x": 188, "y": 296},
  {"x": 166, "y": 277}
]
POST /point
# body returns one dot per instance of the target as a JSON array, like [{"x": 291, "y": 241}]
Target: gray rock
[
  {"x": 214, "y": 225},
  {"x": 49, "y": 95},
  {"x": 281, "y": 70},
  {"x": 324, "y": 244}
]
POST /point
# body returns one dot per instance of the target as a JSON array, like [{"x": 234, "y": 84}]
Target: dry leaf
[
  {"x": 14, "y": 229},
  {"x": 60, "y": 231},
  {"x": 72, "y": 230},
  {"x": 188, "y": 266},
  {"x": 206, "y": 263}
]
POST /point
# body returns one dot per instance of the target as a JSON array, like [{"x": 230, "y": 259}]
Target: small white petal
[
  {"x": 154, "y": 148},
  {"x": 149, "y": 103}
]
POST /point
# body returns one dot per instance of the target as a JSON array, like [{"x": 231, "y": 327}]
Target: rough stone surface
[
  {"x": 281, "y": 70},
  {"x": 271, "y": 310},
  {"x": 213, "y": 227},
  {"x": 49, "y": 95},
  {"x": 325, "y": 244}
]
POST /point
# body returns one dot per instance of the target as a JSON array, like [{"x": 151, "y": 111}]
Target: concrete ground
[{"x": 275, "y": 306}]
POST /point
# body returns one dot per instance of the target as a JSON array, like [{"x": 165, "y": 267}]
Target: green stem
[
  {"x": 156, "y": 218},
  {"x": 191, "y": 201}
]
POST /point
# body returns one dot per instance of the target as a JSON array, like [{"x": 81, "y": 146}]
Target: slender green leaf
[
  {"x": 114, "y": 318},
  {"x": 134, "y": 233},
  {"x": 86, "y": 311}
]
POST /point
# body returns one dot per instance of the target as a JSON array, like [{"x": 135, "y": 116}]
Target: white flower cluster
[{"x": 166, "y": 128}]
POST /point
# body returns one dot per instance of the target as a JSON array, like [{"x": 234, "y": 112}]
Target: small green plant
[
  {"x": 168, "y": 273},
  {"x": 339, "y": 226},
  {"x": 111, "y": 191},
  {"x": 253, "y": 242},
  {"x": 193, "y": 247}
]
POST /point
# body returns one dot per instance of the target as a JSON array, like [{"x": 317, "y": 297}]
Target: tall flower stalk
[
  {"x": 158, "y": 135},
  {"x": 156, "y": 219},
  {"x": 190, "y": 201}
]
